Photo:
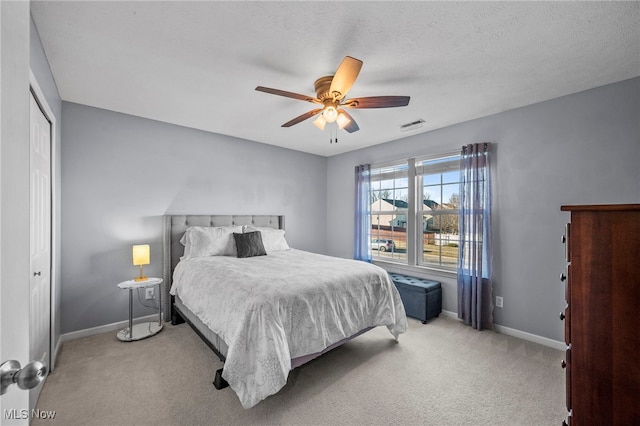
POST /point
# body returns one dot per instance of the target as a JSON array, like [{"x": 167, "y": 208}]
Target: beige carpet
[{"x": 441, "y": 373}]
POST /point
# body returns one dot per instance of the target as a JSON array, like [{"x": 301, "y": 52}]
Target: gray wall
[
  {"x": 579, "y": 149},
  {"x": 122, "y": 173},
  {"x": 42, "y": 72}
]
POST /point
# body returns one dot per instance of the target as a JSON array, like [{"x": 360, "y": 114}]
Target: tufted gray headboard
[{"x": 176, "y": 225}]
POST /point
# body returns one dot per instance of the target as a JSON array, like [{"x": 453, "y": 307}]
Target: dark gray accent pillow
[{"x": 249, "y": 244}]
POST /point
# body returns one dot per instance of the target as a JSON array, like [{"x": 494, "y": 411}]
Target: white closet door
[{"x": 40, "y": 278}]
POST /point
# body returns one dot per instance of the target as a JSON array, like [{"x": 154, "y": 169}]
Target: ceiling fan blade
[
  {"x": 345, "y": 76},
  {"x": 288, "y": 94},
  {"x": 352, "y": 126},
  {"x": 377, "y": 102},
  {"x": 302, "y": 117}
]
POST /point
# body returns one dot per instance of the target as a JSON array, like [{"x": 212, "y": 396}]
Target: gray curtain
[
  {"x": 475, "y": 286},
  {"x": 362, "y": 236}
]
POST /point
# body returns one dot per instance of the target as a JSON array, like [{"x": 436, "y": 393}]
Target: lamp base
[{"x": 136, "y": 279}]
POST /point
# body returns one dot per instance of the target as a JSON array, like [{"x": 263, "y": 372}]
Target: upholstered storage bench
[{"x": 422, "y": 298}]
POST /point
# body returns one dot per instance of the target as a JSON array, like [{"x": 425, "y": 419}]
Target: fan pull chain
[{"x": 335, "y": 133}]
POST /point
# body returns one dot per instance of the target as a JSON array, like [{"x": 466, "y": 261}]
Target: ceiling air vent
[{"x": 412, "y": 126}]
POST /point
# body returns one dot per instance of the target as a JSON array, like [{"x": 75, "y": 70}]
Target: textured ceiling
[{"x": 196, "y": 64}]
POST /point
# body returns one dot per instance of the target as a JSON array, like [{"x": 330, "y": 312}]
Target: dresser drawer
[
  {"x": 567, "y": 367},
  {"x": 566, "y": 239},
  {"x": 567, "y": 310}
]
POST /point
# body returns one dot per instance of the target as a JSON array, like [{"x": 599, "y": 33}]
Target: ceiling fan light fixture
[
  {"x": 330, "y": 102},
  {"x": 320, "y": 122},
  {"x": 342, "y": 120},
  {"x": 330, "y": 113}
]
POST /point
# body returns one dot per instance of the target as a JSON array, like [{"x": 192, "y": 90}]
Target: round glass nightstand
[{"x": 145, "y": 329}]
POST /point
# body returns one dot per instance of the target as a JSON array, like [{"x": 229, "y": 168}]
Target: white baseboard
[
  {"x": 450, "y": 314},
  {"x": 555, "y": 344},
  {"x": 103, "y": 328},
  {"x": 54, "y": 356}
]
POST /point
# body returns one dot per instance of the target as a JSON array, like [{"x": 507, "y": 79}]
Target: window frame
[
  {"x": 414, "y": 258},
  {"x": 392, "y": 174}
]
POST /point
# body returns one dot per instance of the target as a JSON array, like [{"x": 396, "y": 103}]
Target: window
[
  {"x": 414, "y": 212},
  {"x": 438, "y": 181},
  {"x": 389, "y": 211}
]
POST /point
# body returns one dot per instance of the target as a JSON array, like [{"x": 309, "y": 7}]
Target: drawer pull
[
  {"x": 563, "y": 364},
  {"x": 563, "y": 277},
  {"x": 562, "y": 316}
]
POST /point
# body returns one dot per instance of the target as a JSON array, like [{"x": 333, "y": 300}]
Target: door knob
[{"x": 26, "y": 378}]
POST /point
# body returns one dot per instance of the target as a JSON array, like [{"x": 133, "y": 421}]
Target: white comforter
[{"x": 270, "y": 309}]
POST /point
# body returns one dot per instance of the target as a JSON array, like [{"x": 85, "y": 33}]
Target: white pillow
[
  {"x": 272, "y": 239},
  {"x": 202, "y": 241}
]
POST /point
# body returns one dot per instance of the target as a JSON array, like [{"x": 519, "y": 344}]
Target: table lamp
[{"x": 141, "y": 257}]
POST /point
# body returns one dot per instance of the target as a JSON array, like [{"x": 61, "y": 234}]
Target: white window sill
[{"x": 420, "y": 271}]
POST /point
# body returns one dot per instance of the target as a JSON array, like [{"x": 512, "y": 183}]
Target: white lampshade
[
  {"x": 342, "y": 120},
  {"x": 141, "y": 255},
  {"x": 320, "y": 122},
  {"x": 330, "y": 114}
]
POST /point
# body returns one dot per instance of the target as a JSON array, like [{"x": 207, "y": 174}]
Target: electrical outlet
[
  {"x": 148, "y": 294},
  {"x": 498, "y": 301}
]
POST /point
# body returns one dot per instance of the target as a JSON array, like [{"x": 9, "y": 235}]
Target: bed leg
[
  {"x": 219, "y": 382},
  {"x": 176, "y": 318}
]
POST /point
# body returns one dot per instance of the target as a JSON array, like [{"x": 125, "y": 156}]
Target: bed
[{"x": 264, "y": 315}]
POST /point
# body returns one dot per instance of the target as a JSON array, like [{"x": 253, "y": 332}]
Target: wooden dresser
[{"x": 602, "y": 316}]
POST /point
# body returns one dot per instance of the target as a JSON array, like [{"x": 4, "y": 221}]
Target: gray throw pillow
[{"x": 249, "y": 244}]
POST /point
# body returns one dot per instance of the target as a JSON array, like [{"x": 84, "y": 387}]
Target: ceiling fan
[{"x": 330, "y": 93}]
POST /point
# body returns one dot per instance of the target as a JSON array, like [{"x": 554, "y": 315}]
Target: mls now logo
[{"x": 15, "y": 414}]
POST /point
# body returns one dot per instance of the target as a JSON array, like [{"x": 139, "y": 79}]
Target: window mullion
[
  {"x": 411, "y": 213},
  {"x": 440, "y": 220}
]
